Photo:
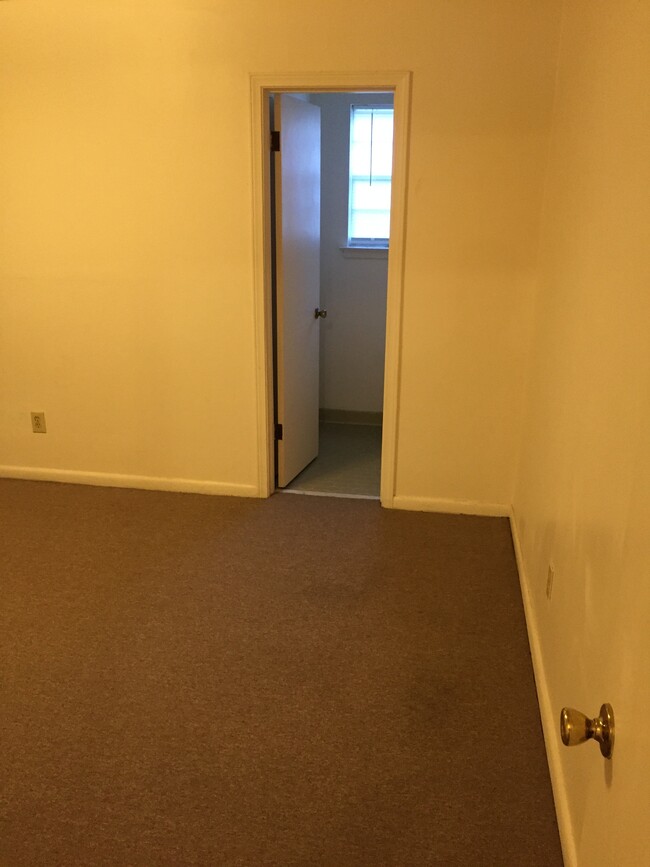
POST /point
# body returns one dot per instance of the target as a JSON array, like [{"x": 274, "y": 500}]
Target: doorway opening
[
  {"x": 351, "y": 319},
  {"x": 353, "y": 159}
]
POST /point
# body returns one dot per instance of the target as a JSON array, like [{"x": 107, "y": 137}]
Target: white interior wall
[
  {"x": 582, "y": 500},
  {"x": 353, "y": 290},
  {"x": 127, "y": 301},
  {"x": 126, "y": 247}
]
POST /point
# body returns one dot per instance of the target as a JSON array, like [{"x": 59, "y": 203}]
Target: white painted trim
[
  {"x": 451, "y": 507},
  {"x": 395, "y": 287},
  {"x": 350, "y": 416},
  {"x": 548, "y": 714},
  {"x": 364, "y": 252},
  {"x": 329, "y": 82},
  {"x": 261, "y": 86},
  {"x": 118, "y": 480},
  {"x": 263, "y": 323}
]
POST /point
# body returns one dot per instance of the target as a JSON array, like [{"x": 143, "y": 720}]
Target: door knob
[
  {"x": 576, "y": 728},
  {"x": 320, "y": 314}
]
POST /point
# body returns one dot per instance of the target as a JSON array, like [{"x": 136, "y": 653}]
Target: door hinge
[
  {"x": 278, "y": 431},
  {"x": 275, "y": 140}
]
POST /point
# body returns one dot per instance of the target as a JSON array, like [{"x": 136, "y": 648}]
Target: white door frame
[{"x": 262, "y": 86}]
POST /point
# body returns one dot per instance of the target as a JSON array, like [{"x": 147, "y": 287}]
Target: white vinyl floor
[{"x": 348, "y": 462}]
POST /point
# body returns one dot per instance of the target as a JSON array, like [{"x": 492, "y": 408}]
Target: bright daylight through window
[{"x": 371, "y": 162}]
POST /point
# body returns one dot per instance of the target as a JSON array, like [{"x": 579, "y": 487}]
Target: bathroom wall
[{"x": 353, "y": 283}]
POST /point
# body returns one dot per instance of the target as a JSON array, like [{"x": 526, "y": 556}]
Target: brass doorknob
[{"x": 576, "y": 728}]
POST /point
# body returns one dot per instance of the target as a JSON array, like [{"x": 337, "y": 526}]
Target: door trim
[{"x": 262, "y": 85}]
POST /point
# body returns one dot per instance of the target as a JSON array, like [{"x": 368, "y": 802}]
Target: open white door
[{"x": 297, "y": 269}]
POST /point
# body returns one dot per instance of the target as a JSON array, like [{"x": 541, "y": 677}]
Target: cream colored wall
[
  {"x": 127, "y": 300},
  {"x": 126, "y": 250},
  {"x": 125, "y": 247},
  {"x": 582, "y": 497}
]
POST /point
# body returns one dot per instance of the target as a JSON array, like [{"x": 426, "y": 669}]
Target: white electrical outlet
[
  {"x": 38, "y": 422},
  {"x": 549, "y": 581}
]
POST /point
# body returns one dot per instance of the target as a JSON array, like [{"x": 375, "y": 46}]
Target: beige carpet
[{"x": 193, "y": 680}]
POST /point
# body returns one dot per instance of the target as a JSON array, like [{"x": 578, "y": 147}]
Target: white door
[{"x": 297, "y": 269}]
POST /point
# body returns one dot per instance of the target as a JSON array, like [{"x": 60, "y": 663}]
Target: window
[{"x": 371, "y": 161}]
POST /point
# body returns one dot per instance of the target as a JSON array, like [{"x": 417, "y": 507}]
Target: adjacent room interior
[
  {"x": 198, "y": 671},
  {"x": 356, "y": 139}
]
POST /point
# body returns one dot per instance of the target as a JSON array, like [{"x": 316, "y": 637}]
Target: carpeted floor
[{"x": 193, "y": 680}]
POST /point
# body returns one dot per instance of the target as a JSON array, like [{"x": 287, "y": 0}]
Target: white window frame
[{"x": 366, "y": 244}]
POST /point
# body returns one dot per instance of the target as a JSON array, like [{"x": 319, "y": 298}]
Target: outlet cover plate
[{"x": 38, "y": 422}]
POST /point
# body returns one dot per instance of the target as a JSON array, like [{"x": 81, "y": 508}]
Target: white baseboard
[
  {"x": 347, "y": 416},
  {"x": 451, "y": 507},
  {"x": 117, "y": 480},
  {"x": 550, "y": 718}
]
